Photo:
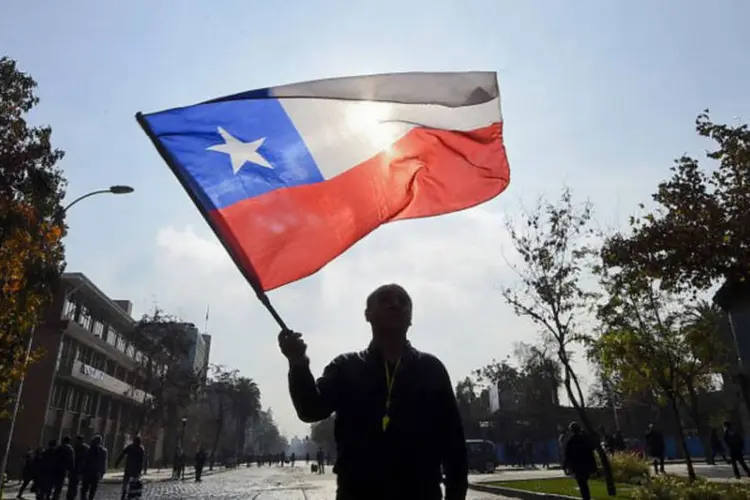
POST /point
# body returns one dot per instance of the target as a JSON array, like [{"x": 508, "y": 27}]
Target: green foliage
[
  {"x": 162, "y": 373},
  {"x": 628, "y": 468},
  {"x": 32, "y": 222},
  {"x": 674, "y": 488},
  {"x": 698, "y": 232},
  {"x": 554, "y": 242}
]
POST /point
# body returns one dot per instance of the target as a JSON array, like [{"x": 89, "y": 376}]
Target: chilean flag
[{"x": 290, "y": 177}]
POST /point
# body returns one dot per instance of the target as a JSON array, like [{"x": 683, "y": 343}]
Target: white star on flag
[{"x": 240, "y": 152}]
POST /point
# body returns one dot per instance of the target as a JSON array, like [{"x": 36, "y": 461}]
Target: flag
[{"x": 290, "y": 177}]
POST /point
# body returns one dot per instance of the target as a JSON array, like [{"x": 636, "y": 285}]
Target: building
[
  {"x": 198, "y": 350},
  {"x": 85, "y": 381}
]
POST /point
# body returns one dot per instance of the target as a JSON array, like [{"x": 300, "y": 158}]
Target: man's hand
[{"x": 293, "y": 346}]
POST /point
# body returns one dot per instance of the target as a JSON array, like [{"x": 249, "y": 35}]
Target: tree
[
  {"x": 552, "y": 242},
  {"x": 321, "y": 433},
  {"x": 164, "y": 380},
  {"x": 244, "y": 398},
  {"x": 699, "y": 232},
  {"x": 32, "y": 223},
  {"x": 645, "y": 341},
  {"x": 265, "y": 437},
  {"x": 218, "y": 399}
]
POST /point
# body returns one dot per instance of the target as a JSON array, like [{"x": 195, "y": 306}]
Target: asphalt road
[{"x": 266, "y": 483}]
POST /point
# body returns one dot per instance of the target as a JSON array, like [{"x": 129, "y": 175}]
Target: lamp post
[{"x": 116, "y": 189}]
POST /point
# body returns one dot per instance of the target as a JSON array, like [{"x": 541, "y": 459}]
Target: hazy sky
[{"x": 600, "y": 96}]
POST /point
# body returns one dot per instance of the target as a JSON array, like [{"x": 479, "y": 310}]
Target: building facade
[{"x": 86, "y": 380}]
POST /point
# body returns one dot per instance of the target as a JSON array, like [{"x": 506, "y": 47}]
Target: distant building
[
  {"x": 197, "y": 348},
  {"x": 85, "y": 382}
]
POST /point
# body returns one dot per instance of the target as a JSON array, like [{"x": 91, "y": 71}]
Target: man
[
  {"x": 397, "y": 420},
  {"x": 200, "y": 462},
  {"x": 65, "y": 461},
  {"x": 736, "y": 445},
  {"x": 656, "y": 448},
  {"x": 94, "y": 468},
  {"x": 579, "y": 459},
  {"x": 48, "y": 470},
  {"x": 136, "y": 459},
  {"x": 81, "y": 450}
]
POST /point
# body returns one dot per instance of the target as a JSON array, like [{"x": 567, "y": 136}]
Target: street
[{"x": 265, "y": 483}]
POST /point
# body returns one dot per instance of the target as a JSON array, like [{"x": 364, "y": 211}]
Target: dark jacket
[
  {"x": 735, "y": 443},
  {"x": 65, "y": 459},
  {"x": 579, "y": 455},
  {"x": 424, "y": 432},
  {"x": 655, "y": 443},
  {"x": 135, "y": 459},
  {"x": 29, "y": 466},
  {"x": 96, "y": 462},
  {"x": 81, "y": 451}
]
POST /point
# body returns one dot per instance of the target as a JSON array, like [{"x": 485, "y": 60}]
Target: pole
[{"x": 16, "y": 407}]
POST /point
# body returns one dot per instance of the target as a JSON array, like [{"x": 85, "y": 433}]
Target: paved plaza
[
  {"x": 296, "y": 483},
  {"x": 265, "y": 483}
]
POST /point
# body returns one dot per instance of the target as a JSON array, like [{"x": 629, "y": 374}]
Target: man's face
[{"x": 389, "y": 308}]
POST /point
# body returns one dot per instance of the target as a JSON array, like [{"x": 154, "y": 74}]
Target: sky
[{"x": 597, "y": 96}]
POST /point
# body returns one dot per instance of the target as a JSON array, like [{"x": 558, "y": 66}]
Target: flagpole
[{"x": 247, "y": 273}]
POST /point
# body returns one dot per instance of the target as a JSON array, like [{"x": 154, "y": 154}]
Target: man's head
[
  {"x": 96, "y": 440},
  {"x": 389, "y": 310},
  {"x": 137, "y": 440},
  {"x": 66, "y": 440},
  {"x": 79, "y": 439},
  {"x": 575, "y": 428}
]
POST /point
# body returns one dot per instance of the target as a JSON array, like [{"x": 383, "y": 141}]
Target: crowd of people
[{"x": 83, "y": 465}]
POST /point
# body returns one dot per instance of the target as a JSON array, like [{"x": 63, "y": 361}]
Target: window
[
  {"x": 74, "y": 400},
  {"x": 69, "y": 308},
  {"x": 109, "y": 367},
  {"x": 98, "y": 329},
  {"x": 85, "y": 318},
  {"x": 130, "y": 351},
  {"x": 59, "y": 395},
  {"x": 120, "y": 343},
  {"x": 112, "y": 336}
]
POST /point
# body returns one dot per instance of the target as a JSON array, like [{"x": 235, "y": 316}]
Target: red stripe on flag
[{"x": 290, "y": 233}]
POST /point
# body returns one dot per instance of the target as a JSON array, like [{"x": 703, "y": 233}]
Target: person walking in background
[
  {"x": 200, "y": 461},
  {"x": 320, "y": 457},
  {"x": 579, "y": 459},
  {"x": 656, "y": 448},
  {"x": 27, "y": 472},
  {"x": 397, "y": 421},
  {"x": 717, "y": 447},
  {"x": 80, "y": 451},
  {"x": 94, "y": 468},
  {"x": 134, "y": 456},
  {"x": 65, "y": 462},
  {"x": 736, "y": 445},
  {"x": 47, "y": 471},
  {"x": 562, "y": 441}
]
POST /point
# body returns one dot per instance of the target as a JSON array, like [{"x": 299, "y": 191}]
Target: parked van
[{"x": 482, "y": 455}]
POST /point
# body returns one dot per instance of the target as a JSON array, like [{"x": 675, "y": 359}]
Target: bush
[
  {"x": 628, "y": 468},
  {"x": 673, "y": 488}
]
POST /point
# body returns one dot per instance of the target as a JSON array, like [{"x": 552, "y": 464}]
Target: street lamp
[{"x": 116, "y": 189}]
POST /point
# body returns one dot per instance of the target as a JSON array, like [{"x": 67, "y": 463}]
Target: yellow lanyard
[{"x": 390, "y": 378}]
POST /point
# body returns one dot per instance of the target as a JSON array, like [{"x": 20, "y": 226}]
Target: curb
[{"x": 520, "y": 494}]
